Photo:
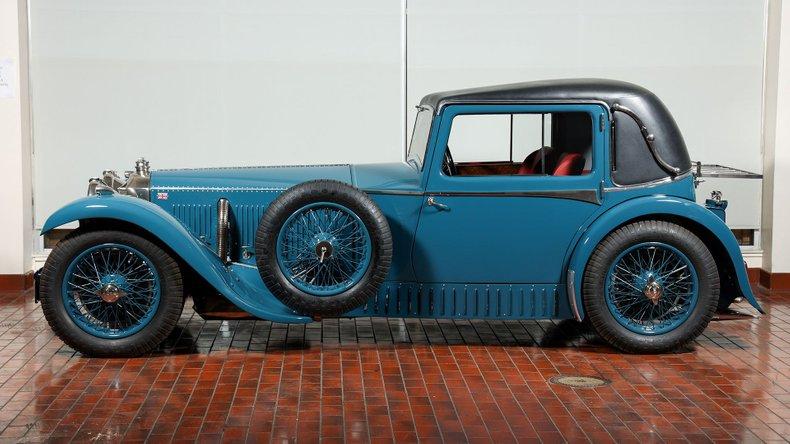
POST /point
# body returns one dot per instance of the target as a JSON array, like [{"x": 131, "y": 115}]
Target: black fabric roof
[
  {"x": 655, "y": 115},
  {"x": 609, "y": 91}
]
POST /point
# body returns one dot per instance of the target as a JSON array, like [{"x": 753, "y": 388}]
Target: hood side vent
[
  {"x": 247, "y": 217},
  {"x": 199, "y": 219}
]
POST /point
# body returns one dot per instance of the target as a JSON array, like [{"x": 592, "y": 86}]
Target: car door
[{"x": 494, "y": 222}]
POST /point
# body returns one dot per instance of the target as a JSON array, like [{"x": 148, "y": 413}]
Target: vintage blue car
[{"x": 562, "y": 199}]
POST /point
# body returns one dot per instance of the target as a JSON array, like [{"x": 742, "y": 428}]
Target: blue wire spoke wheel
[
  {"x": 111, "y": 290},
  {"x": 651, "y": 288},
  {"x": 324, "y": 249}
]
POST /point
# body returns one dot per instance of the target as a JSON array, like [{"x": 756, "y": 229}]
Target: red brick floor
[{"x": 394, "y": 380}]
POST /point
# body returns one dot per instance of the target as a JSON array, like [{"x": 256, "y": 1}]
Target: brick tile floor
[{"x": 387, "y": 380}]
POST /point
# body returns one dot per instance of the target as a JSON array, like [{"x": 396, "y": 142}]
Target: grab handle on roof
[{"x": 649, "y": 138}]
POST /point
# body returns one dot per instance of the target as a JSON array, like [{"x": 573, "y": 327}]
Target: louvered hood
[{"x": 274, "y": 177}]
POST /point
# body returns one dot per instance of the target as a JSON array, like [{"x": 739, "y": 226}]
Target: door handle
[{"x": 439, "y": 206}]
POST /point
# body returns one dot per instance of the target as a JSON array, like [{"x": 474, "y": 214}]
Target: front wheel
[
  {"x": 110, "y": 293},
  {"x": 650, "y": 286}
]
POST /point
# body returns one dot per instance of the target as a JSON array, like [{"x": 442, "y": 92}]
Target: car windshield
[{"x": 419, "y": 137}]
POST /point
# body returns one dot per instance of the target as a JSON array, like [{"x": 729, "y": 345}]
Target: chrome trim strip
[
  {"x": 653, "y": 183},
  {"x": 572, "y": 295},
  {"x": 395, "y": 192},
  {"x": 253, "y": 167},
  {"x": 186, "y": 188},
  {"x": 590, "y": 195},
  {"x": 451, "y": 102}
]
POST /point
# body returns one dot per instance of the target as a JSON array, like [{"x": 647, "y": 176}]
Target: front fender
[
  {"x": 240, "y": 290},
  {"x": 645, "y": 207}
]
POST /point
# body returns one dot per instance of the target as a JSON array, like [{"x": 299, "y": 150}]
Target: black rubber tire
[
  {"x": 297, "y": 197},
  {"x": 144, "y": 341},
  {"x": 601, "y": 317}
]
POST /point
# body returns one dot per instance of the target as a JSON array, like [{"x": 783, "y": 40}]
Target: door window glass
[{"x": 556, "y": 144}]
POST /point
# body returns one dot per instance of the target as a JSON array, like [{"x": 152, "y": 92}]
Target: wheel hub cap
[
  {"x": 111, "y": 293},
  {"x": 653, "y": 290},
  {"x": 323, "y": 251},
  {"x": 113, "y": 287}
]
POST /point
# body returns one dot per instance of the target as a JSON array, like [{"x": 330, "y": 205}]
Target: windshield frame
[{"x": 415, "y": 155}]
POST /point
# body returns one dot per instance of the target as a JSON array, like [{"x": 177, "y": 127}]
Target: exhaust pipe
[{"x": 223, "y": 230}]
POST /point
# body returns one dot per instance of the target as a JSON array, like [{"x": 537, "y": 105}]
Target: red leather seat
[
  {"x": 531, "y": 164},
  {"x": 570, "y": 164}
]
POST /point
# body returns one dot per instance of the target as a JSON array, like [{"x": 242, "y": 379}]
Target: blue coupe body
[{"x": 476, "y": 246}]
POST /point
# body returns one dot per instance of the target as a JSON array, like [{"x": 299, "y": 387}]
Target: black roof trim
[{"x": 608, "y": 91}]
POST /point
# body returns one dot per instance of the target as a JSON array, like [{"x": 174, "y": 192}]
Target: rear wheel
[
  {"x": 110, "y": 293},
  {"x": 650, "y": 286}
]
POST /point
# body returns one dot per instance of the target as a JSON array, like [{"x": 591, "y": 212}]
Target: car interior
[{"x": 561, "y": 145}]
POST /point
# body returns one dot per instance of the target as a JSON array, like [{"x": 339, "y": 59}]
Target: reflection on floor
[{"x": 397, "y": 380}]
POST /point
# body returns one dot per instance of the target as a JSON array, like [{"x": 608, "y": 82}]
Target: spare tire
[{"x": 323, "y": 248}]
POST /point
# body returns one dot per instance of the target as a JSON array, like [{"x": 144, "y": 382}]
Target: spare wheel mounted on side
[{"x": 323, "y": 248}]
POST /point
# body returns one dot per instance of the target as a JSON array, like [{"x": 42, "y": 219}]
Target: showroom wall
[{"x": 217, "y": 83}]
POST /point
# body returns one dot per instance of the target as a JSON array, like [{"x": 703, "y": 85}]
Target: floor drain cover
[{"x": 579, "y": 381}]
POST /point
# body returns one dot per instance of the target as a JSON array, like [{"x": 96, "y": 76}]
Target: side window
[
  {"x": 558, "y": 144},
  {"x": 480, "y": 138}
]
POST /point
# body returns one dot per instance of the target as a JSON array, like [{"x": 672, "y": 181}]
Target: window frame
[
  {"x": 437, "y": 181},
  {"x": 429, "y": 111}
]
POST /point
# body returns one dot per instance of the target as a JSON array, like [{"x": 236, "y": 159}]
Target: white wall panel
[
  {"x": 210, "y": 83},
  {"x": 213, "y": 82}
]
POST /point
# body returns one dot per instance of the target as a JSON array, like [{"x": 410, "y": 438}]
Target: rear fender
[
  {"x": 243, "y": 289},
  {"x": 658, "y": 207}
]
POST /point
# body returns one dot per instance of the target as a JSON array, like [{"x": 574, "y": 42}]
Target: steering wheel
[{"x": 448, "y": 166}]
